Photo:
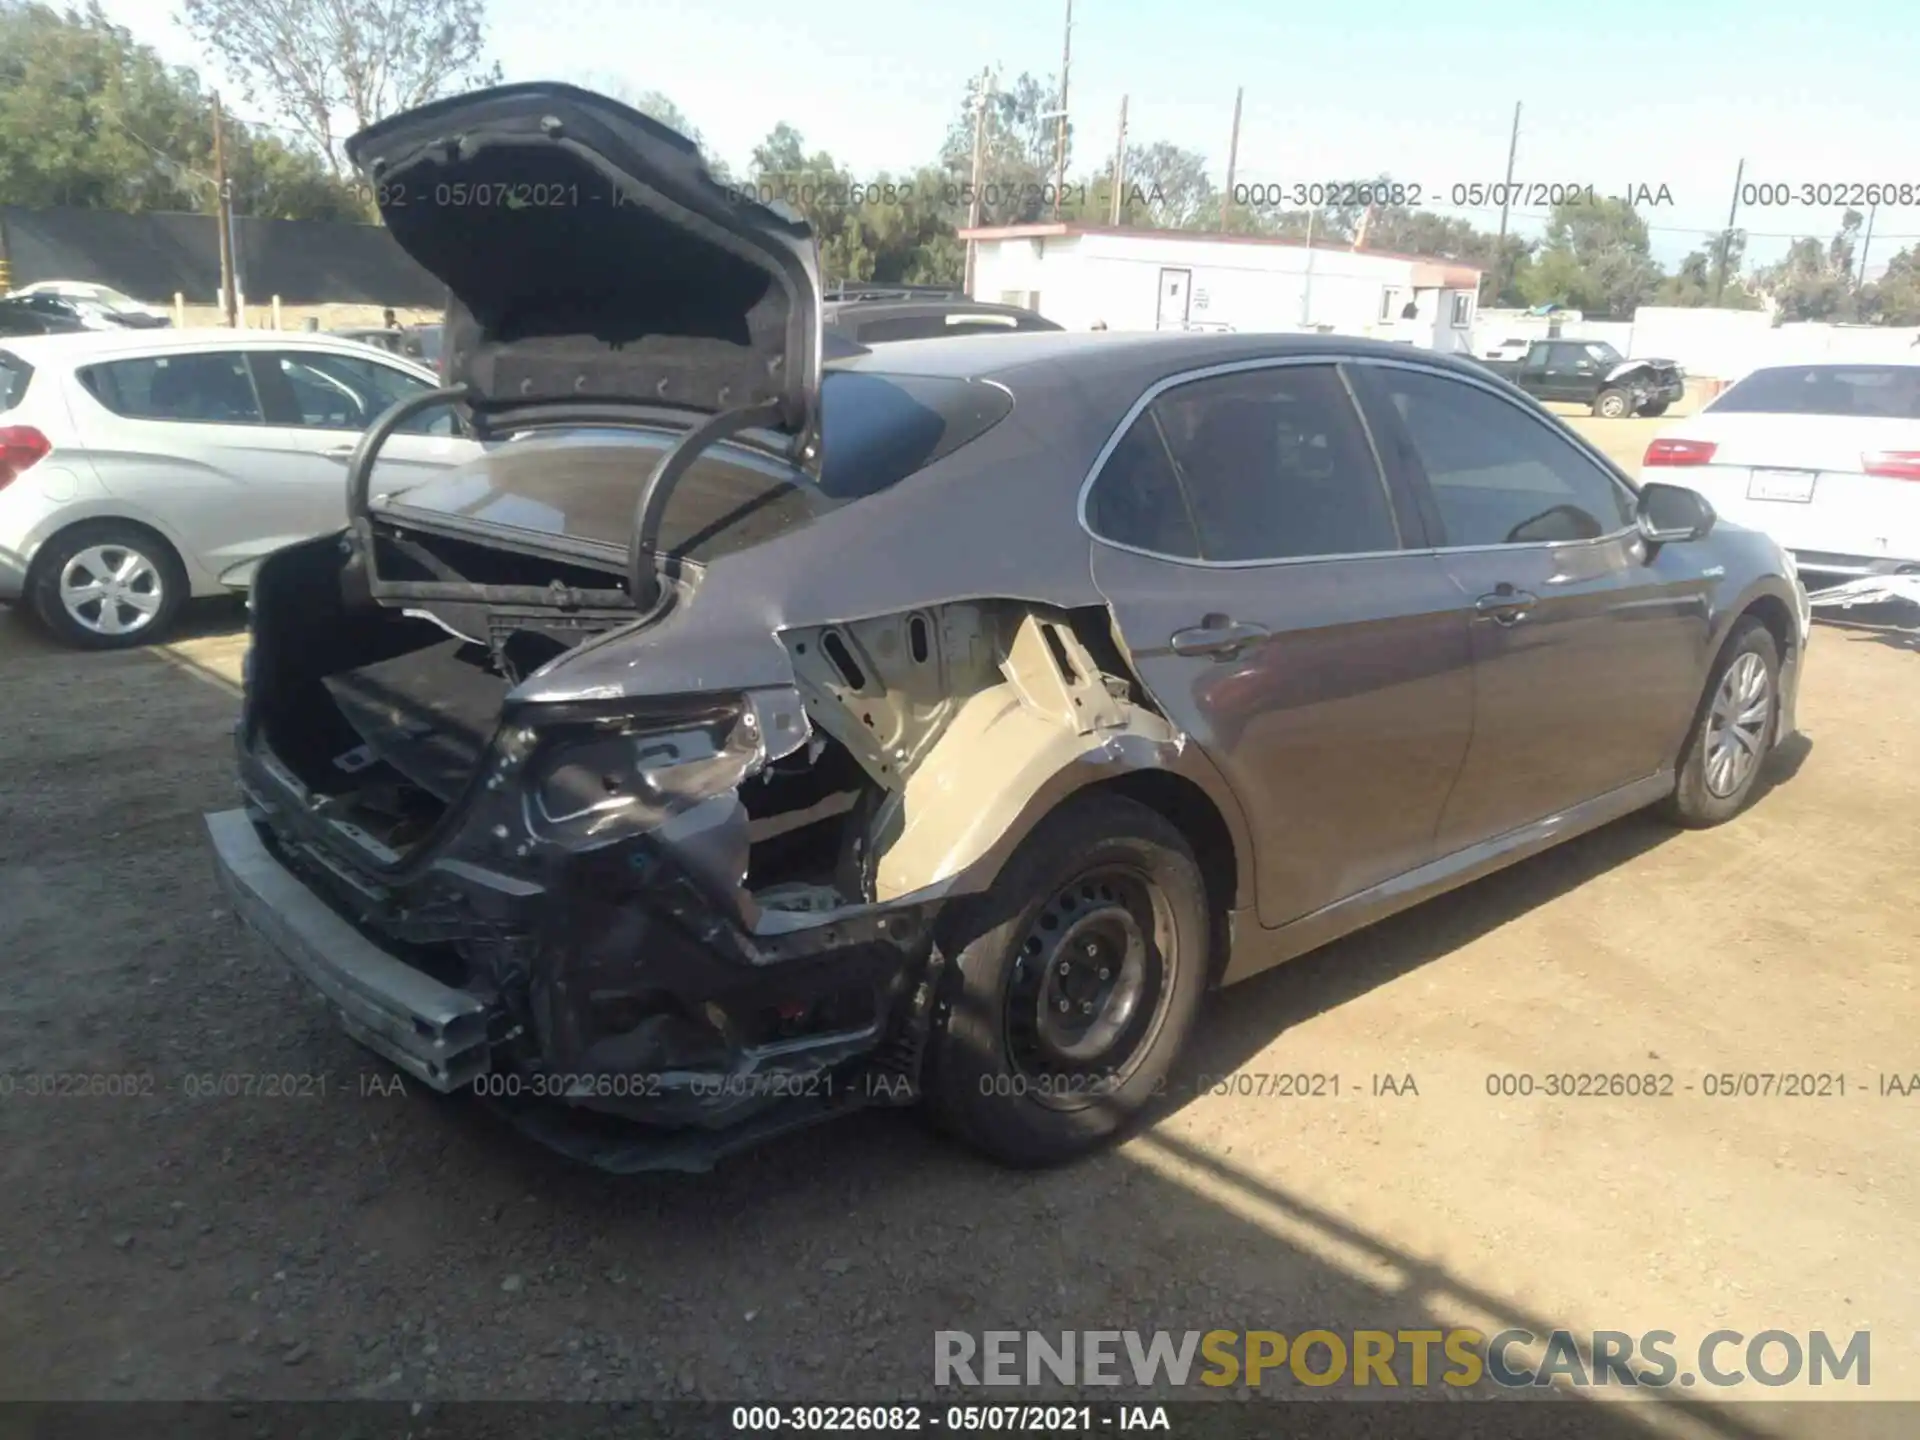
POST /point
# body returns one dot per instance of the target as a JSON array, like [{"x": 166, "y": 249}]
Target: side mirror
[{"x": 1671, "y": 514}]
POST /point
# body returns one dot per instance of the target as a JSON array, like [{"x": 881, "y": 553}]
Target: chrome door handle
[
  {"x": 1217, "y": 637},
  {"x": 1506, "y": 606}
]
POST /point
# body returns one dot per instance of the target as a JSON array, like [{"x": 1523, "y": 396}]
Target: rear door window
[
  {"x": 1890, "y": 392},
  {"x": 1271, "y": 464},
  {"x": 211, "y": 387}
]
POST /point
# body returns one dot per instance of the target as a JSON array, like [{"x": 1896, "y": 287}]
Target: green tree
[
  {"x": 90, "y": 118},
  {"x": 1594, "y": 258},
  {"x": 330, "y": 67},
  {"x": 1017, "y": 150},
  {"x": 1174, "y": 190},
  {"x": 1894, "y": 298},
  {"x": 1696, "y": 278},
  {"x": 1815, "y": 282}
]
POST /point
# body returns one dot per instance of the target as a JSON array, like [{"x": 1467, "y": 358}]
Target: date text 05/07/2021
[{"x": 952, "y": 1419}]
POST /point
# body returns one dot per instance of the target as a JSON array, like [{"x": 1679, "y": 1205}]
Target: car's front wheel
[
  {"x": 1074, "y": 984},
  {"x": 1732, "y": 733},
  {"x": 1657, "y": 407},
  {"x": 1613, "y": 405},
  {"x": 108, "y": 585}
]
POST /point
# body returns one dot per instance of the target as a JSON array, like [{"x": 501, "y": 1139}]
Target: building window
[
  {"x": 1462, "y": 310},
  {"x": 1389, "y": 304}
]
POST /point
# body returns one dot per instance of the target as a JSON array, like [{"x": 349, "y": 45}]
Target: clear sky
[{"x": 1673, "y": 94}]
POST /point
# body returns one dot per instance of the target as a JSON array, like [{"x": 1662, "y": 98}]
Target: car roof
[
  {"x": 82, "y": 347},
  {"x": 1123, "y": 355}
]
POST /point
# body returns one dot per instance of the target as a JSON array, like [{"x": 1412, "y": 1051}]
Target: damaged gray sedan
[{"x": 745, "y": 737}]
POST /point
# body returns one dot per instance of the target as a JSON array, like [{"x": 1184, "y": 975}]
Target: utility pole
[
  {"x": 1119, "y": 162},
  {"x": 979, "y": 170},
  {"x": 1726, "y": 236},
  {"x": 1060, "y": 125},
  {"x": 1866, "y": 244},
  {"x": 1233, "y": 155},
  {"x": 1306, "y": 287},
  {"x": 1506, "y": 196},
  {"x": 224, "y": 215}
]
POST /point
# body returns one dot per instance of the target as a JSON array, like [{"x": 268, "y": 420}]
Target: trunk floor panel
[{"x": 429, "y": 714}]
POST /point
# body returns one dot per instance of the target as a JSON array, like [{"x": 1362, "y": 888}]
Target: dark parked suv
[{"x": 742, "y": 739}]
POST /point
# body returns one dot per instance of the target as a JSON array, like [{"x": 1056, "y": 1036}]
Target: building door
[{"x": 1176, "y": 298}]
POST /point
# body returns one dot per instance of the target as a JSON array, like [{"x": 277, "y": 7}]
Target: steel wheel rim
[
  {"x": 1737, "y": 725},
  {"x": 1090, "y": 986},
  {"x": 111, "y": 590},
  {"x": 1612, "y": 409}
]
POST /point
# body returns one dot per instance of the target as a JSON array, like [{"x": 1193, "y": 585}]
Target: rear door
[
  {"x": 1589, "y": 652},
  {"x": 184, "y": 436},
  {"x": 1824, "y": 458},
  {"x": 1272, "y": 593}
]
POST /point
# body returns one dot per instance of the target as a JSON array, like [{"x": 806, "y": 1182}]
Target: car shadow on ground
[
  {"x": 151, "y": 1243},
  {"x": 217, "y": 615}
]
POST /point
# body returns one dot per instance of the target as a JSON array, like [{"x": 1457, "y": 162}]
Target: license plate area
[{"x": 1793, "y": 486}]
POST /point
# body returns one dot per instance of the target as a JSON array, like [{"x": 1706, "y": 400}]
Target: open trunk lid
[{"x": 591, "y": 259}]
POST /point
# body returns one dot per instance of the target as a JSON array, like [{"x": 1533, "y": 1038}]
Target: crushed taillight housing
[
  {"x": 1892, "y": 464},
  {"x": 1679, "y": 452},
  {"x": 21, "y": 448}
]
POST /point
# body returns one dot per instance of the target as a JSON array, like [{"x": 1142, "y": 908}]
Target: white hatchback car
[
  {"x": 138, "y": 468},
  {"x": 1823, "y": 457}
]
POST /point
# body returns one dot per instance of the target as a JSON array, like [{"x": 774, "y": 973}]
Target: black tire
[
  {"x": 168, "y": 581},
  {"x": 1613, "y": 404},
  {"x": 1696, "y": 802},
  {"x": 1658, "y": 407},
  {"x": 995, "y": 1077}
]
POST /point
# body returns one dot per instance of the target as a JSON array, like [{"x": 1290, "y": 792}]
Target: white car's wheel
[{"x": 108, "y": 585}]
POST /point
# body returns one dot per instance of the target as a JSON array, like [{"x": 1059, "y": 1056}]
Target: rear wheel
[
  {"x": 108, "y": 585},
  {"x": 1074, "y": 986},
  {"x": 1613, "y": 405},
  {"x": 1732, "y": 732}
]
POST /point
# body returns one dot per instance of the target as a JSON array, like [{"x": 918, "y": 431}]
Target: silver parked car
[{"x": 138, "y": 469}]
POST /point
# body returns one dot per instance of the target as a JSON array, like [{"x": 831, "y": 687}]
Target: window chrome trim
[
  {"x": 1208, "y": 372},
  {"x": 1337, "y": 359}
]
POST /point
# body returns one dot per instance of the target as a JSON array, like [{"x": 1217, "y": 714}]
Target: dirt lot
[{"x": 398, "y": 1245}]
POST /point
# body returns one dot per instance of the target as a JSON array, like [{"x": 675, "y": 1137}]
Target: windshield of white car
[{"x": 1878, "y": 391}]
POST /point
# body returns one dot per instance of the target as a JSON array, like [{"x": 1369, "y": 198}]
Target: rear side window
[
  {"x": 1877, "y": 391},
  {"x": 14, "y": 375},
  {"x": 876, "y": 429},
  {"x": 1270, "y": 464},
  {"x": 1139, "y": 500},
  {"x": 210, "y": 387}
]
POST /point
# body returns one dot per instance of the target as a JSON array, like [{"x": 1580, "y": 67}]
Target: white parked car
[
  {"x": 112, "y": 307},
  {"x": 139, "y": 468},
  {"x": 1825, "y": 458}
]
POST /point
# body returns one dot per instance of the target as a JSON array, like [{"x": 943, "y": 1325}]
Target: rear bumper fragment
[{"x": 432, "y": 1031}]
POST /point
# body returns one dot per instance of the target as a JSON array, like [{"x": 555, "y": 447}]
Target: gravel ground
[{"x": 373, "y": 1243}]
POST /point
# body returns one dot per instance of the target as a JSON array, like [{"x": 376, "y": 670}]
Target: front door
[
  {"x": 1176, "y": 299},
  {"x": 1588, "y": 651},
  {"x": 1273, "y": 598}
]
